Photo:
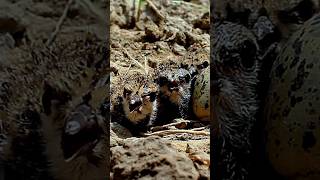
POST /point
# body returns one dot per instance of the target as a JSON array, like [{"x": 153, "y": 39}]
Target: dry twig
[
  {"x": 168, "y": 132},
  {"x": 198, "y": 129},
  {"x": 132, "y": 59},
  {"x": 155, "y": 9},
  {"x": 59, "y": 24},
  {"x": 125, "y": 74},
  {"x": 166, "y": 126},
  {"x": 146, "y": 66}
]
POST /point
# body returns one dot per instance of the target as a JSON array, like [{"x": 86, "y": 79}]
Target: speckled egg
[
  {"x": 293, "y": 106},
  {"x": 201, "y": 95}
]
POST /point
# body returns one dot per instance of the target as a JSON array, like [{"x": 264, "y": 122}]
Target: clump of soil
[{"x": 150, "y": 158}]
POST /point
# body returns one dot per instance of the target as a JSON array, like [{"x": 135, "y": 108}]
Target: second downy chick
[{"x": 175, "y": 93}]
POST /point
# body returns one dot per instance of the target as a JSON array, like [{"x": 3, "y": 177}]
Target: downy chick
[
  {"x": 175, "y": 93},
  {"x": 134, "y": 103}
]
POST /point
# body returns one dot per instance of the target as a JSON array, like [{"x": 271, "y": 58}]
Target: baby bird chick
[
  {"x": 134, "y": 101},
  {"x": 175, "y": 93},
  {"x": 140, "y": 105}
]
